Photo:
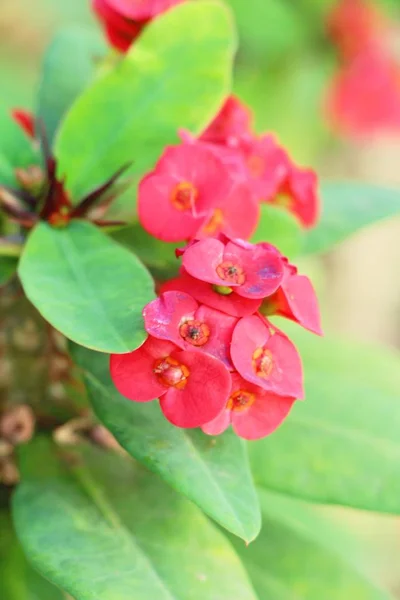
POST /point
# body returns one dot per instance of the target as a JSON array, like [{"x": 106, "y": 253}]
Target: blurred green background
[{"x": 283, "y": 66}]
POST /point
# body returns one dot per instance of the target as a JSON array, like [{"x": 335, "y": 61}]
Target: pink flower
[
  {"x": 179, "y": 197},
  {"x": 249, "y": 270},
  {"x": 178, "y": 318},
  {"x": 253, "y": 412},
  {"x": 206, "y": 293},
  {"x": 231, "y": 123},
  {"x": 123, "y": 20},
  {"x": 365, "y": 95},
  {"x": 295, "y": 299},
  {"x": 192, "y": 387},
  {"x": 263, "y": 355}
]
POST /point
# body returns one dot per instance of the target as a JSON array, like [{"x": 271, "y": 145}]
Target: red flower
[
  {"x": 25, "y": 120},
  {"x": 205, "y": 293},
  {"x": 253, "y": 412},
  {"x": 295, "y": 299},
  {"x": 124, "y": 19},
  {"x": 231, "y": 123},
  {"x": 365, "y": 95},
  {"x": 263, "y": 355},
  {"x": 249, "y": 270},
  {"x": 192, "y": 387},
  {"x": 180, "y": 196},
  {"x": 178, "y": 318}
]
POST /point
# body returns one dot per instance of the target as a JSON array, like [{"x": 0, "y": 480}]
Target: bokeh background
[{"x": 284, "y": 65}]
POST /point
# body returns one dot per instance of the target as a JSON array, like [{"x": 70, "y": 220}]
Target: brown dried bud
[
  {"x": 104, "y": 438},
  {"x": 9, "y": 474},
  {"x": 31, "y": 178},
  {"x": 17, "y": 425}
]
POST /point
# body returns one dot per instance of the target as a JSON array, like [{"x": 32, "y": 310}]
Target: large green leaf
[
  {"x": 278, "y": 227},
  {"x": 16, "y": 150},
  {"x": 341, "y": 445},
  {"x": 102, "y": 528},
  {"x": 212, "y": 472},
  {"x": 158, "y": 256},
  {"x": 87, "y": 286},
  {"x": 302, "y": 555},
  {"x": 176, "y": 75},
  {"x": 348, "y": 207},
  {"x": 18, "y": 580},
  {"x": 68, "y": 68}
]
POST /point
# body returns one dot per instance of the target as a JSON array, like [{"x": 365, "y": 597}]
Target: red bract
[
  {"x": 365, "y": 95},
  {"x": 296, "y": 300},
  {"x": 180, "y": 196},
  {"x": 249, "y": 270},
  {"x": 263, "y": 355},
  {"x": 25, "y": 120},
  {"x": 192, "y": 387},
  {"x": 205, "y": 293},
  {"x": 123, "y": 20},
  {"x": 253, "y": 412},
  {"x": 178, "y": 318},
  {"x": 231, "y": 123}
]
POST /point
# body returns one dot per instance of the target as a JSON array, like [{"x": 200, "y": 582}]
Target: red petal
[
  {"x": 263, "y": 269},
  {"x": 203, "y": 292},
  {"x": 204, "y": 395},
  {"x": 263, "y": 417},
  {"x": 202, "y": 258},
  {"x": 158, "y": 215},
  {"x": 219, "y": 424},
  {"x": 163, "y": 316},
  {"x": 133, "y": 375},
  {"x": 233, "y": 120},
  {"x": 300, "y": 303},
  {"x": 253, "y": 333}
]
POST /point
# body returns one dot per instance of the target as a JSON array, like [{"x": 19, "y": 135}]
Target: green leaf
[
  {"x": 278, "y": 227},
  {"x": 102, "y": 528},
  {"x": 341, "y": 445},
  {"x": 8, "y": 266},
  {"x": 68, "y": 67},
  {"x": 212, "y": 472},
  {"x": 300, "y": 554},
  {"x": 18, "y": 580},
  {"x": 176, "y": 75},
  {"x": 86, "y": 285},
  {"x": 158, "y": 256},
  {"x": 348, "y": 207},
  {"x": 16, "y": 149}
]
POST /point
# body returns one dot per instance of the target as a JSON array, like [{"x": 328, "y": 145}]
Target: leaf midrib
[
  {"x": 95, "y": 492},
  {"x": 204, "y": 467}
]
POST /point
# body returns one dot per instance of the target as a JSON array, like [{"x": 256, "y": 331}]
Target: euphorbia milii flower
[
  {"x": 124, "y": 19},
  {"x": 249, "y": 270},
  {"x": 365, "y": 95},
  {"x": 207, "y": 294},
  {"x": 231, "y": 123},
  {"x": 192, "y": 387},
  {"x": 253, "y": 412},
  {"x": 178, "y": 198},
  {"x": 263, "y": 355},
  {"x": 178, "y": 318},
  {"x": 295, "y": 299}
]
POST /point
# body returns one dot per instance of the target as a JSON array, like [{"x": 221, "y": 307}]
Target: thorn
[{"x": 90, "y": 200}]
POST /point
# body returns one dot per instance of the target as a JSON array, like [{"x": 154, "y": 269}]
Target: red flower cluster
[
  {"x": 364, "y": 97},
  {"x": 212, "y": 357},
  {"x": 214, "y": 184},
  {"x": 123, "y": 20}
]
